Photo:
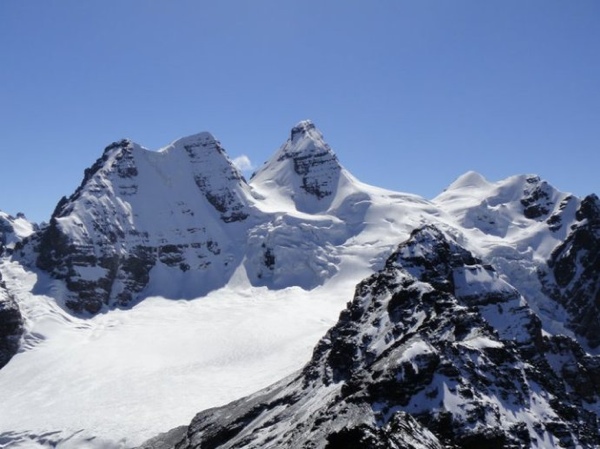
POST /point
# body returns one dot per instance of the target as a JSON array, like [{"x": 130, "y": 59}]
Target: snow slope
[{"x": 106, "y": 376}]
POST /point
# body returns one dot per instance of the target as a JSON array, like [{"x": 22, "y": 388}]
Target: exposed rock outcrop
[{"x": 11, "y": 325}]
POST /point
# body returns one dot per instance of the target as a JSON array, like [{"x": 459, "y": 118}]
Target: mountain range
[{"x": 299, "y": 308}]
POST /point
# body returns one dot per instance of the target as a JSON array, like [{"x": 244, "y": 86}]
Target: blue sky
[{"x": 410, "y": 94}]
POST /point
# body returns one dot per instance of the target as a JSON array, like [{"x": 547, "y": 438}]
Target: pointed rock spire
[
  {"x": 306, "y": 167},
  {"x": 305, "y": 140},
  {"x": 302, "y": 129}
]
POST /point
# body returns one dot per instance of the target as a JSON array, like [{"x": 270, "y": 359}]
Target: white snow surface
[
  {"x": 124, "y": 376},
  {"x": 119, "y": 378}
]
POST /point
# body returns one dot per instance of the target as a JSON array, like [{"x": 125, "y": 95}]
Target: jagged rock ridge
[
  {"x": 434, "y": 351},
  {"x": 543, "y": 240}
]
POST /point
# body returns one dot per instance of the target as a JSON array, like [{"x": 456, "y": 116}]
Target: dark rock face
[
  {"x": 11, "y": 326},
  {"x": 165, "y": 440},
  {"x": 555, "y": 221},
  {"x": 5, "y": 228},
  {"x": 537, "y": 199},
  {"x": 231, "y": 207},
  {"x": 573, "y": 276},
  {"x": 434, "y": 351},
  {"x": 311, "y": 183},
  {"x": 61, "y": 257},
  {"x": 276, "y": 419}
]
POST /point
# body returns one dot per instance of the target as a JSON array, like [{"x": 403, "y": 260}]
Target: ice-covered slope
[
  {"x": 434, "y": 351},
  {"x": 98, "y": 382}
]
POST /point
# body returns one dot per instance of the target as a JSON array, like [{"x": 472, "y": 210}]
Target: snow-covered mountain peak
[
  {"x": 304, "y": 172},
  {"x": 505, "y": 207},
  {"x": 513, "y": 188},
  {"x": 196, "y": 144},
  {"x": 177, "y": 211},
  {"x": 469, "y": 180},
  {"x": 203, "y": 136},
  {"x": 305, "y": 140},
  {"x": 213, "y": 173}
]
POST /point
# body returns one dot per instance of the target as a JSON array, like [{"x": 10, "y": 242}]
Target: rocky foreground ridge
[{"x": 434, "y": 351}]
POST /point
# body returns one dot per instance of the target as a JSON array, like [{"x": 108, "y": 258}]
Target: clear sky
[{"x": 409, "y": 94}]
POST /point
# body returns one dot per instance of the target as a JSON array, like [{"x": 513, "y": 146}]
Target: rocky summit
[{"x": 168, "y": 283}]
